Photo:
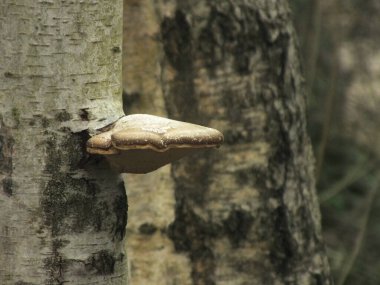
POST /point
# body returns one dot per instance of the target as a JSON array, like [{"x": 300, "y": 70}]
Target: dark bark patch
[
  {"x": 147, "y": 229},
  {"x": 244, "y": 177},
  {"x": 192, "y": 234},
  {"x": 189, "y": 231},
  {"x": 129, "y": 99},
  {"x": 194, "y": 182},
  {"x": 45, "y": 122},
  {"x": 307, "y": 226},
  {"x": 120, "y": 207},
  {"x": 56, "y": 264},
  {"x": 253, "y": 176},
  {"x": 254, "y": 267},
  {"x": 6, "y": 152},
  {"x": 283, "y": 251},
  {"x": 71, "y": 205},
  {"x": 8, "y": 186},
  {"x": 178, "y": 47},
  {"x": 8, "y": 74},
  {"x": 243, "y": 100},
  {"x": 74, "y": 201},
  {"x": 203, "y": 261},
  {"x": 68, "y": 203},
  {"x": 83, "y": 114},
  {"x": 76, "y": 143},
  {"x": 116, "y": 49},
  {"x": 16, "y": 116},
  {"x": 319, "y": 279},
  {"x": 6, "y": 148},
  {"x": 217, "y": 37},
  {"x": 227, "y": 34},
  {"x": 24, "y": 283},
  {"x": 237, "y": 226},
  {"x": 282, "y": 154},
  {"x": 54, "y": 162},
  {"x": 62, "y": 116},
  {"x": 176, "y": 34},
  {"x": 233, "y": 137},
  {"x": 102, "y": 263}
]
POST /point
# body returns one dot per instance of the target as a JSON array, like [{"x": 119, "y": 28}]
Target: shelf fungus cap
[{"x": 142, "y": 143}]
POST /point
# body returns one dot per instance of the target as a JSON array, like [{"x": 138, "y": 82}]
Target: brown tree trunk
[{"x": 246, "y": 213}]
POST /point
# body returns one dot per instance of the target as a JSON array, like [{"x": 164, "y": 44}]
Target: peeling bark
[
  {"x": 247, "y": 213},
  {"x": 63, "y": 211}
]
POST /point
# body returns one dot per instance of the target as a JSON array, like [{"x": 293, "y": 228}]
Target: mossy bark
[
  {"x": 246, "y": 213},
  {"x": 63, "y": 213}
]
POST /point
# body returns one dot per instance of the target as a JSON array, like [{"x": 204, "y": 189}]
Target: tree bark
[
  {"x": 63, "y": 213},
  {"x": 151, "y": 196},
  {"x": 246, "y": 213}
]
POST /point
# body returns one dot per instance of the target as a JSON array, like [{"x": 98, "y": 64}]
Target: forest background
[{"x": 341, "y": 60}]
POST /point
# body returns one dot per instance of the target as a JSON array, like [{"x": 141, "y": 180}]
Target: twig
[
  {"x": 313, "y": 46},
  {"x": 360, "y": 237},
  {"x": 356, "y": 173},
  {"x": 329, "y": 107}
]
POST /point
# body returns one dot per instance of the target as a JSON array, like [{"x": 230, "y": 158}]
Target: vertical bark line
[
  {"x": 177, "y": 45},
  {"x": 141, "y": 54},
  {"x": 6, "y": 165},
  {"x": 6, "y": 185},
  {"x": 151, "y": 253},
  {"x": 63, "y": 211},
  {"x": 189, "y": 232},
  {"x": 246, "y": 214},
  {"x": 299, "y": 213}
]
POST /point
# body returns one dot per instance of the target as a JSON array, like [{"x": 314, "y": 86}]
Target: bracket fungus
[{"x": 142, "y": 143}]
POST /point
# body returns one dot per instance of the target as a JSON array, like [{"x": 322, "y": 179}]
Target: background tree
[
  {"x": 344, "y": 123},
  {"x": 63, "y": 214},
  {"x": 247, "y": 213}
]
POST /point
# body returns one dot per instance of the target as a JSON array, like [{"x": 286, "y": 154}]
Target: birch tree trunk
[
  {"x": 63, "y": 213},
  {"x": 246, "y": 213}
]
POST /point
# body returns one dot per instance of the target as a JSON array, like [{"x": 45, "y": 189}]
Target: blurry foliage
[{"x": 346, "y": 168}]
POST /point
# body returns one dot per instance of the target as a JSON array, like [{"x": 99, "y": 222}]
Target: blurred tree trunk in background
[
  {"x": 344, "y": 126},
  {"x": 62, "y": 219},
  {"x": 246, "y": 213}
]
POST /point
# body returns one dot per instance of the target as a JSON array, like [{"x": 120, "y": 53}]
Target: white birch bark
[{"x": 63, "y": 213}]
